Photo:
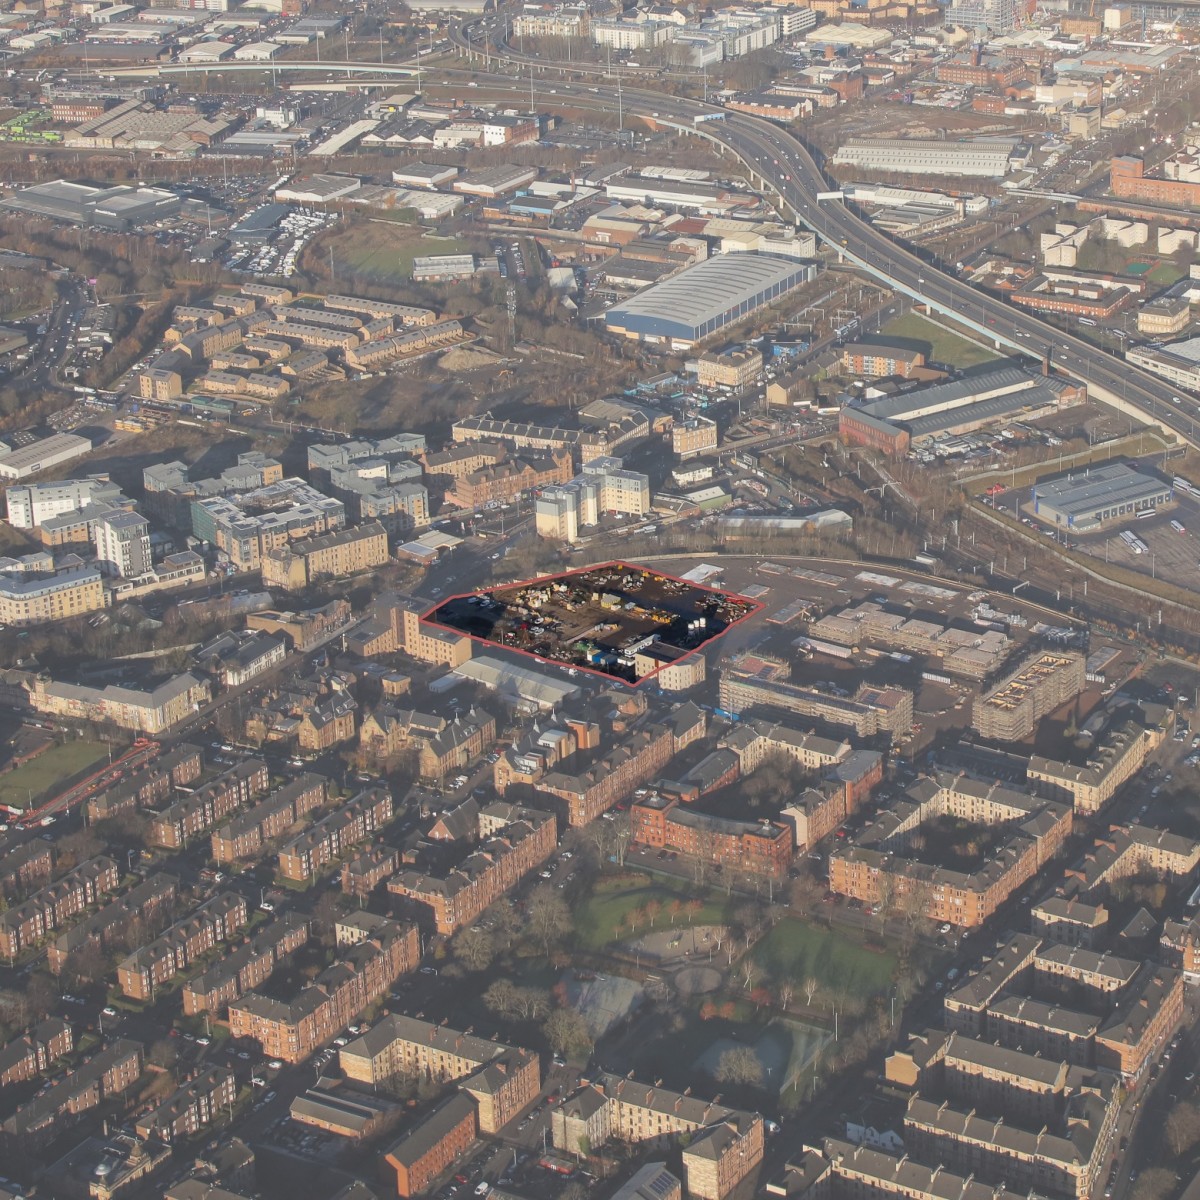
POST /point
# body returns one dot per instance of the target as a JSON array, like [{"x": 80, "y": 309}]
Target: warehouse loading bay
[{"x": 1164, "y": 545}]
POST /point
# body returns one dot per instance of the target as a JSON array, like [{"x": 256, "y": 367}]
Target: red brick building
[
  {"x": 423, "y": 1153},
  {"x": 755, "y": 847}
]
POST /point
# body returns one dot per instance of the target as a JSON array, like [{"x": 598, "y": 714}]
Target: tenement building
[
  {"x": 721, "y": 1145},
  {"x": 292, "y": 1030},
  {"x": 502, "y": 1079}
]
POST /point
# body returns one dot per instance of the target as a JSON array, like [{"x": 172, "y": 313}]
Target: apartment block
[
  {"x": 755, "y": 740},
  {"x": 1050, "y": 1030},
  {"x": 1011, "y": 710},
  {"x": 363, "y": 873},
  {"x": 1098, "y": 972},
  {"x": 34, "y": 597},
  {"x": 396, "y": 625},
  {"x": 159, "y": 961},
  {"x": 696, "y": 435},
  {"x": 879, "y": 861},
  {"x": 1069, "y": 920},
  {"x": 755, "y": 847},
  {"x": 147, "y": 900},
  {"x": 502, "y": 1079},
  {"x": 149, "y": 784},
  {"x": 880, "y": 361},
  {"x": 427, "y": 1149},
  {"x": 448, "y": 902},
  {"x": 22, "y": 867},
  {"x": 248, "y": 832},
  {"x": 737, "y": 368},
  {"x": 505, "y": 481},
  {"x": 108, "y": 1073},
  {"x": 154, "y": 711},
  {"x": 751, "y": 682},
  {"x": 635, "y": 760},
  {"x": 1117, "y": 757},
  {"x": 194, "y": 1105},
  {"x": 1143, "y": 1021},
  {"x": 362, "y": 973},
  {"x": 724, "y": 1145},
  {"x": 32, "y": 1053},
  {"x": 199, "y": 812},
  {"x": 329, "y": 838},
  {"x": 1129, "y": 850},
  {"x": 1011, "y": 965},
  {"x": 329, "y": 556},
  {"x": 29, "y": 922},
  {"x": 245, "y": 967}
]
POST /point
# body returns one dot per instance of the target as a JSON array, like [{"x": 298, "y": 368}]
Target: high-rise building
[{"x": 123, "y": 544}]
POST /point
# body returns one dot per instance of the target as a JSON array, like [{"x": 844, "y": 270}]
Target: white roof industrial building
[
  {"x": 515, "y": 683},
  {"x": 705, "y": 298},
  {"x": 1107, "y": 493},
  {"x": 986, "y": 158}
]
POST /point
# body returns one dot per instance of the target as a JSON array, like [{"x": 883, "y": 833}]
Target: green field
[
  {"x": 49, "y": 772},
  {"x": 798, "y": 951},
  {"x": 382, "y": 251},
  {"x": 601, "y": 919},
  {"x": 943, "y": 346}
]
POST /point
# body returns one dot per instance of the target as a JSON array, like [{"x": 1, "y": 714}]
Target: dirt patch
[{"x": 456, "y": 361}]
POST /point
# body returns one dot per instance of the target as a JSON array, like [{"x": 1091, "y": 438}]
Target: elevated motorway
[{"x": 780, "y": 164}]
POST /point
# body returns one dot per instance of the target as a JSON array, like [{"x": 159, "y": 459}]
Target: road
[{"x": 781, "y": 164}]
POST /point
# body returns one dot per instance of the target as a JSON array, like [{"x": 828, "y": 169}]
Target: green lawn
[
  {"x": 1166, "y": 274},
  {"x": 796, "y": 950},
  {"x": 49, "y": 772},
  {"x": 382, "y": 251},
  {"x": 600, "y": 919},
  {"x": 944, "y": 346}
]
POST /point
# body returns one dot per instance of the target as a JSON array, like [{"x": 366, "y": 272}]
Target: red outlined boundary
[{"x": 754, "y": 607}]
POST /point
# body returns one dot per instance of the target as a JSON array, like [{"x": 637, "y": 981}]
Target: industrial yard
[{"x": 615, "y": 619}]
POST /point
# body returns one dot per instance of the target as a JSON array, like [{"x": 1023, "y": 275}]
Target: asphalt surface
[{"x": 785, "y": 166}]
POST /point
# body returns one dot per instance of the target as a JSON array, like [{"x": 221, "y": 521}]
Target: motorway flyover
[{"x": 780, "y": 164}]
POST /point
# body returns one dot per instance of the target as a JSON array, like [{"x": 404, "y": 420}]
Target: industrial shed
[{"x": 707, "y": 297}]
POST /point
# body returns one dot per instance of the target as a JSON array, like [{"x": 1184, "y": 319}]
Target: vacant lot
[
  {"x": 798, "y": 951},
  {"x": 381, "y": 251},
  {"x": 941, "y": 345},
  {"x": 49, "y": 772},
  {"x": 605, "y": 916}
]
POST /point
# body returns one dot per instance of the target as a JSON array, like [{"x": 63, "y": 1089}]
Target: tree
[
  {"x": 787, "y": 989},
  {"x": 505, "y": 922},
  {"x": 653, "y": 908},
  {"x": 739, "y": 1065},
  {"x": 474, "y": 948},
  {"x": 811, "y": 987},
  {"x": 567, "y": 1031},
  {"x": 548, "y": 916},
  {"x": 1156, "y": 1184},
  {"x": 500, "y": 997},
  {"x": 325, "y": 915},
  {"x": 1183, "y": 1128}
]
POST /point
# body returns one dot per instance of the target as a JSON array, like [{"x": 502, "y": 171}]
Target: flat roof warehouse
[
  {"x": 1102, "y": 494},
  {"x": 705, "y": 298}
]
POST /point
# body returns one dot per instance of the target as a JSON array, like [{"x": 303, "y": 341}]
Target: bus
[{"x": 1178, "y": 527}]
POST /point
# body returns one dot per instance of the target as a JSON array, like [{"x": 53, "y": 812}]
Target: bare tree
[
  {"x": 1183, "y": 1128},
  {"x": 548, "y": 916},
  {"x": 474, "y": 948},
  {"x": 811, "y": 987},
  {"x": 739, "y": 1064}
]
